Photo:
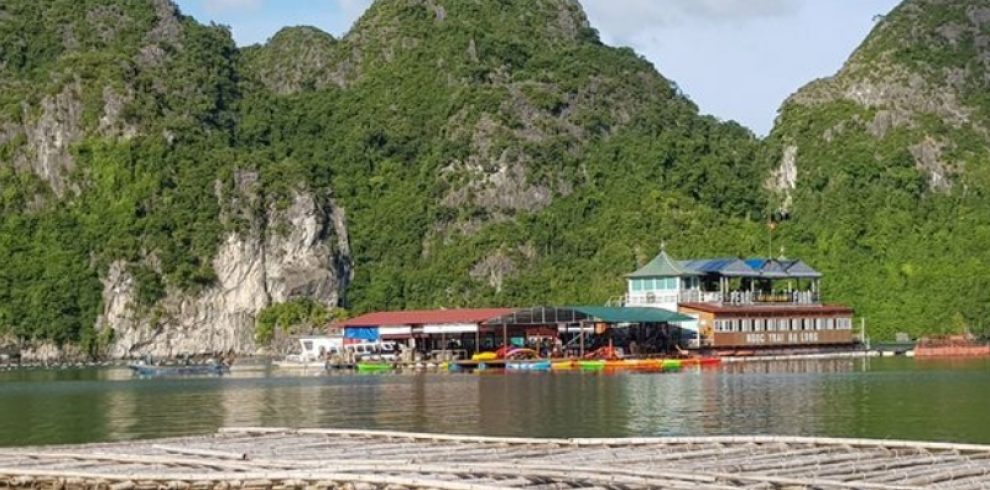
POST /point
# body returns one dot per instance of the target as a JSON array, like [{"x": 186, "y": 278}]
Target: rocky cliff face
[
  {"x": 114, "y": 121},
  {"x": 304, "y": 252}
]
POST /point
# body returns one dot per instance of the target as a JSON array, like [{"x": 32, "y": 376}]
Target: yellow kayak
[
  {"x": 562, "y": 365},
  {"x": 484, "y": 356}
]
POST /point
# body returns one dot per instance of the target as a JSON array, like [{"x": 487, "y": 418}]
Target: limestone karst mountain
[{"x": 161, "y": 186}]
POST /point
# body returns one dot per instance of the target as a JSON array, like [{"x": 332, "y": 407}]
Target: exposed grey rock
[
  {"x": 886, "y": 120},
  {"x": 168, "y": 28},
  {"x": 111, "y": 122},
  {"x": 311, "y": 259},
  {"x": 51, "y": 135},
  {"x": 493, "y": 269},
  {"x": 783, "y": 179},
  {"x": 928, "y": 159}
]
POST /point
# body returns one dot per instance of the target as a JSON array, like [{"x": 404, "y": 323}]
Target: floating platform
[{"x": 272, "y": 458}]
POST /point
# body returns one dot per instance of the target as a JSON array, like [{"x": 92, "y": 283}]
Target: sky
[{"x": 736, "y": 59}]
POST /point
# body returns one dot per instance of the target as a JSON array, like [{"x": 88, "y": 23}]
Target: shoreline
[{"x": 260, "y": 362}]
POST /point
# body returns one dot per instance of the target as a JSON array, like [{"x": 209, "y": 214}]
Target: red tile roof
[{"x": 423, "y": 317}]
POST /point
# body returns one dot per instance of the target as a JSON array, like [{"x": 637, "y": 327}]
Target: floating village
[{"x": 674, "y": 313}]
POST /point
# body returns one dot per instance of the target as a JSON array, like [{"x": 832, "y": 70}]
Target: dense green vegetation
[
  {"x": 486, "y": 153},
  {"x": 127, "y": 198},
  {"x": 300, "y": 315},
  {"x": 906, "y": 249}
]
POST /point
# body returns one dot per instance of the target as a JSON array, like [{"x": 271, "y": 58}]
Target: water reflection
[{"x": 893, "y": 398}]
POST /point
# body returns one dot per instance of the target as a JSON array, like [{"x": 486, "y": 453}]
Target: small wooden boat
[
  {"x": 542, "y": 365},
  {"x": 373, "y": 367},
  {"x": 299, "y": 364},
  {"x": 153, "y": 370}
]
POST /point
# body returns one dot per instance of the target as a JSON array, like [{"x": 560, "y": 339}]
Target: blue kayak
[{"x": 528, "y": 365}]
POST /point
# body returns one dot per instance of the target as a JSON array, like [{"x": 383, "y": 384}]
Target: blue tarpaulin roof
[{"x": 361, "y": 333}]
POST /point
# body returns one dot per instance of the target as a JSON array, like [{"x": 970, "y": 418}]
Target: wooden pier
[{"x": 266, "y": 458}]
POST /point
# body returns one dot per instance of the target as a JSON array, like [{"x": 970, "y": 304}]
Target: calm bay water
[{"x": 886, "y": 398}]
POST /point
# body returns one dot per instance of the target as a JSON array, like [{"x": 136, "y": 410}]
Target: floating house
[
  {"x": 425, "y": 329},
  {"x": 736, "y": 303}
]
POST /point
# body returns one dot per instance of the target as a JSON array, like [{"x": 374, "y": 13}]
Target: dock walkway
[{"x": 267, "y": 458}]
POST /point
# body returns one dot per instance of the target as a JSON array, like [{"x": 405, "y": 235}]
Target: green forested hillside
[
  {"x": 115, "y": 118},
  {"x": 485, "y": 153},
  {"x": 893, "y": 171},
  {"x": 484, "y": 160}
]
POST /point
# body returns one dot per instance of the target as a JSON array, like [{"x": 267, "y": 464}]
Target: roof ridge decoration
[{"x": 663, "y": 266}]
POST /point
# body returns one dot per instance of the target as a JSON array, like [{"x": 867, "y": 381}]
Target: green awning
[{"x": 632, "y": 314}]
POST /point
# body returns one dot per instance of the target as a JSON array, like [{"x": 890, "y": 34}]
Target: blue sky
[{"x": 737, "y": 59}]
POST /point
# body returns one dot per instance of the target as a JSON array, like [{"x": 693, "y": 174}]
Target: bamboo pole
[{"x": 200, "y": 452}]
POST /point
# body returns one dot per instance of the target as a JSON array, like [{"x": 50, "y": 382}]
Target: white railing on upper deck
[
  {"x": 752, "y": 297},
  {"x": 731, "y": 298},
  {"x": 652, "y": 299}
]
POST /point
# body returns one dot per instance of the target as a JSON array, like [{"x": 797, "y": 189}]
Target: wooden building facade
[{"x": 743, "y": 303}]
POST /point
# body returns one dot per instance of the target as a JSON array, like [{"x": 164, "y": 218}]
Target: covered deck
[{"x": 580, "y": 329}]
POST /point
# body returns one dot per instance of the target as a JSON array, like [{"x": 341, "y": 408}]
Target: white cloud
[
  {"x": 623, "y": 19},
  {"x": 219, "y": 6}
]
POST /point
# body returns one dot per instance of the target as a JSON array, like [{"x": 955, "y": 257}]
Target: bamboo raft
[{"x": 269, "y": 458}]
